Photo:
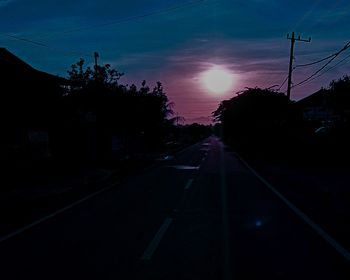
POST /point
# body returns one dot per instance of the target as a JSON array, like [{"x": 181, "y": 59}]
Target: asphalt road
[{"x": 199, "y": 215}]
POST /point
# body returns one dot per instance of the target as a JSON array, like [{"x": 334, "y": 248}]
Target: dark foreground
[{"x": 200, "y": 215}]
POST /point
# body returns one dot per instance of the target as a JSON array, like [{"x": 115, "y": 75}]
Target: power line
[
  {"x": 334, "y": 66},
  {"x": 24, "y": 40},
  {"x": 128, "y": 19},
  {"x": 70, "y": 53},
  {"x": 44, "y": 45},
  {"x": 293, "y": 39},
  {"x": 315, "y": 62},
  {"x": 315, "y": 76},
  {"x": 324, "y": 66},
  {"x": 284, "y": 81},
  {"x": 271, "y": 87},
  {"x": 325, "y": 58},
  {"x": 330, "y": 68}
]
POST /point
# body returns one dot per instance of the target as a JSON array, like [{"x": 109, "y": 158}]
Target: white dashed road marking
[
  {"x": 147, "y": 255},
  {"x": 189, "y": 183}
]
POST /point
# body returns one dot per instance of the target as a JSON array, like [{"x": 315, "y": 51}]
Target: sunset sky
[{"x": 177, "y": 41}]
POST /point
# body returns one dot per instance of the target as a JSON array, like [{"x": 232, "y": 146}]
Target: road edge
[
  {"x": 83, "y": 199},
  {"x": 330, "y": 240}
]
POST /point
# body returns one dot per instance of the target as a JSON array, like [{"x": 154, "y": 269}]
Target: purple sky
[{"x": 174, "y": 41}]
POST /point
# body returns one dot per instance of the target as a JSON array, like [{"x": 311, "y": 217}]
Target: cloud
[
  {"x": 247, "y": 37},
  {"x": 5, "y": 2}
]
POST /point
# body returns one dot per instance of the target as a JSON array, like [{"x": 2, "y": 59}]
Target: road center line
[
  {"x": 305, "y": 218},
  {"x": 189, "y": 183},
  {"x": 147, "y": 255}
]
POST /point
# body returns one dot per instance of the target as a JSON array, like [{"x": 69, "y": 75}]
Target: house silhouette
[{"x": 28, "y": 105}]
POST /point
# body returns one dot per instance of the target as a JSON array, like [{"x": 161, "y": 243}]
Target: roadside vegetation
[
  {"x": 301, "y": 148},
  {"x": 263, "y": 123},
  {"x": 64, "y": 138}
]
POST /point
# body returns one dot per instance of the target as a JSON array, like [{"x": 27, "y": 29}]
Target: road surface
[{"x": 200, "y": 215}]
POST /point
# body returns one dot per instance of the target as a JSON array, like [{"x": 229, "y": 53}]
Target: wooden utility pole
[
  {"x": 95, "y": 57},
  {"x": 292, "y": 42}
]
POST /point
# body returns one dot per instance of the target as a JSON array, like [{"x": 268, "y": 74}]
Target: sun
[{"x": 217, "y": 80}]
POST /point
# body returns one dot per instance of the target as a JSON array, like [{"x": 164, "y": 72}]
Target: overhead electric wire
[
  {"x": 330, "y": 68},
  {"x": 41, "y": 44},
  {"x": 314, "y": 76},
  {"x": 334, "y": 66},
  {"x": 324, "y": 66},
  {"x": 313, "y": 63},
  {"x": 24, "y": 39},
  {"x": 128, "y": 19},
  {"x": 347, "y": 45},
  {"x": 285, "y": 80}
]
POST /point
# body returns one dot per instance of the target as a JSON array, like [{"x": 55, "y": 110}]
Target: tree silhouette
[
  {"x": 254, "y": 118},
  {"x": 138, "y": 117}
]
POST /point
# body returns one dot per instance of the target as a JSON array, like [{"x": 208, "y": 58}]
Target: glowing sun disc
[{"x": 217, "y": 80}]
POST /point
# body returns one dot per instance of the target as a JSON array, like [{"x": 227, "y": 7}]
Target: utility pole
[
  {"x": 95, "y": 57},
  {"x": 292, "y": 42}
]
